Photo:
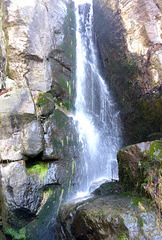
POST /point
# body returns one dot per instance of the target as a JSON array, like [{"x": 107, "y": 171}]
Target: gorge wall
[{"x": 129, "y": 37}]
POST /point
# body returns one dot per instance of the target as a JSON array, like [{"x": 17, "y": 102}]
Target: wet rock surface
[
  {"x": 60, "y": 137},
  {"x": 108, "y": 188},
  {"x": 111, "y": 217}
]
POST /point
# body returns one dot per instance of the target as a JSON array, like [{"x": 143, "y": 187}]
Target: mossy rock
[
  {"x": 110, "y": 217},
  {"x": 45, "y": 104},
  {"x": 140, "y": 169},
  {"x": 39, "y": 168}
]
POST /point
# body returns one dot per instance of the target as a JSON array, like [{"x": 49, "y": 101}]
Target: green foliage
[{"x": 16, "y": 235}]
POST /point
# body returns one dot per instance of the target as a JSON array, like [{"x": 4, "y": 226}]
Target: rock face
[
  {"x": 37, "y": 60},
  {"x": 36, "y": 70},
  {"x": 111, "y": 217},
  {"x": 21, "y": 196},
  {"x": 139, "y": 168},
  {"x": 129, "y": 37},
  {"x": 27, "y": 190}
]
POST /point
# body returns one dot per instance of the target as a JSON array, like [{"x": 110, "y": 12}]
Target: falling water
[{"x": 96, "y": 113}]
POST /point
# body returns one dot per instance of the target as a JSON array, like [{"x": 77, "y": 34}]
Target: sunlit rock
[
  {"x": 16, "y": 101},
  {"x": 30, "y": 44}
]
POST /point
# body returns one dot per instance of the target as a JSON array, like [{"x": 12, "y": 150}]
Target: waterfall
[{"x": 96, "y": 114}]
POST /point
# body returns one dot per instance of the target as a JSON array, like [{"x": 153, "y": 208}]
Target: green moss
[
  {"x": 72, "y": 173},
  {"x": 60, "y": 199},
  {"x": 155, "y": 150},
  {"x": 16, "y": 235},
  {"x": 140, "y": 222},
  {"x": 44, "y": 98},
  {"x": 136, "y": 200},
  {"x": 40, "y": 168}
]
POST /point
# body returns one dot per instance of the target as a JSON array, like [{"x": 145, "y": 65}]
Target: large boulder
[
  {"x": 30, "y": 44},
  {"x": 112, "y": 217},
  {"x": 140, "y": 168},
  {"x": 21, "y": 137}
]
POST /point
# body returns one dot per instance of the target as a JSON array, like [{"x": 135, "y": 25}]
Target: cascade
[{"x": 96, "y": 113}]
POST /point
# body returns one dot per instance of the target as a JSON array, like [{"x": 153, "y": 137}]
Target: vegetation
[
  {"x": 40, "y": 168},
  {"x": 44, "y": 98},
  {"x": 16, "y": 235}
]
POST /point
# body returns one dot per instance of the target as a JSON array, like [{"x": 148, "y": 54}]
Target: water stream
[{"x": 96, "y": 112}]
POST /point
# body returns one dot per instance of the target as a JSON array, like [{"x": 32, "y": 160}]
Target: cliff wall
[
  {"x": 129, "y": 37},
  {"x": 37, "y": 49},
  {"x": 37, "y": 135}
]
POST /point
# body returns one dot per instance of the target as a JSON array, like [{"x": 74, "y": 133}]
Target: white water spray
[{"x": 96, "y": 113}]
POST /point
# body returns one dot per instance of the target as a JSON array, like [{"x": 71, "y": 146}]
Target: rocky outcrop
[
  {"x": 129, "y": 37},
  {"x": 139, "y": 169},
  {"x": 111, "y": 217}
]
